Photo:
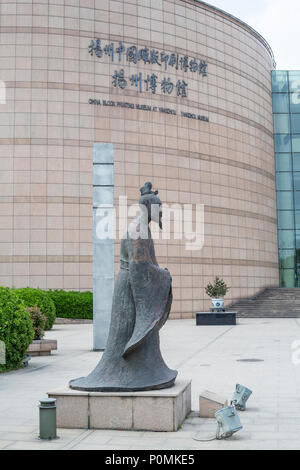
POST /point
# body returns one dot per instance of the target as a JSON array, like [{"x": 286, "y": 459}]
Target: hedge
[
  {"x": 16, "y": 329},
  {"x": 32, "y": 297},
  {"x": 72, "y": 304}
]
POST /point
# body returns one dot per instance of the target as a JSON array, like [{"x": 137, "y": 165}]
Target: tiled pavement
[{"x": 208, "y": 355}]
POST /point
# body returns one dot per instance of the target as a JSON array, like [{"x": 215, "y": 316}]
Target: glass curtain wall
[{"x": 286, "y": 109}]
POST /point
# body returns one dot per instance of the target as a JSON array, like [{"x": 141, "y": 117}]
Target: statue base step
[{"x": 157, "y": 410}]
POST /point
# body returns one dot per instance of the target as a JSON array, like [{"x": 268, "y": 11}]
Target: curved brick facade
[{"x": 48, "y": 129}]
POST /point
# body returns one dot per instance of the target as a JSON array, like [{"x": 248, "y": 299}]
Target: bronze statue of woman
[{"x": 142, "y": 300}]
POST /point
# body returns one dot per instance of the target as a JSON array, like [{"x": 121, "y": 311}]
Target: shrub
[
  {"x": 32, "y": 297},
  {"x": 16, "y": 330},
  {"x": 218, "y": 289},
  {"x": 38, "y": 321},
  {"x": 72, "y": 304}
]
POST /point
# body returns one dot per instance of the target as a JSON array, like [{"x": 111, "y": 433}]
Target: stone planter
[{"x": 42, "y": 347}]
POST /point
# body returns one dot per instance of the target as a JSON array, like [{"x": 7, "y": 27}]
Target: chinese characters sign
[{"x": 148, "y": 82}]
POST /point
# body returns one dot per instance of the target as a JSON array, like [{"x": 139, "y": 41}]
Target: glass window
[
  {"x": 281, "y": 103},
  {"x": 296, "y": 143},
  {"x": 282, "y": 143},
  {"x": 294, "y": 81},
  {"x": 296, "y": 161},
  {"x": 286, "y": 220},
  {"x": 296, "y": 181},
  {"x": 284, "y": 181},
  {"x": 286, "y": 239},
  {"x": 287, "y": 278},
  {"x": 297, "y": 200},
  {"x": 297, "y": 240},
  {"x": 280, "y": 81},
  {"x": 282, "y": 123},
  {"x": 295, "y": 102},
  {"x": 295, "y": 118},
  {"x": 298, "y": 279},
  {"x": 286, "y": 108},
  {"x": 285, "y": 200},
  {"x": 297, "y": 218},
  {"x": 284, "y": 161},
  {"x": 287, "y": 259}
]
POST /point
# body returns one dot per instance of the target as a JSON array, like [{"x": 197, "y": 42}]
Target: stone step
[
  {"x": 278, "y": 310},
  {"x": 279, "y": 306},
  {"x": 280, "y": 297},
  {"x": 274, "y": 299},
  {"x": 268, "y": 312},
  {"x": 267, "y": 315},
  {"x": 273, "y": 310},
  {"x": 279, "y": 294},
  {"x": 271, "y": 302}
]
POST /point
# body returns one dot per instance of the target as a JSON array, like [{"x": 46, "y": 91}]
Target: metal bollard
[{"x": 47, "y": 418}]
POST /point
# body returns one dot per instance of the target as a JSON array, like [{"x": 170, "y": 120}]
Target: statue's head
[{"x": 152, "y": 203}]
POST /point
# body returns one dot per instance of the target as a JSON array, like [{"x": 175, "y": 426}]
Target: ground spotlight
[
  {"x": 228, "y": 422},
  {"x": 240, "y": 397}
]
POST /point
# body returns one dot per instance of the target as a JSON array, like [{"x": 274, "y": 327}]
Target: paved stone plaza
[{"x": 208, "y": 355}]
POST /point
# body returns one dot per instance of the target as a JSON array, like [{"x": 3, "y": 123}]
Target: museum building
[{"x": 100, "y": 96}]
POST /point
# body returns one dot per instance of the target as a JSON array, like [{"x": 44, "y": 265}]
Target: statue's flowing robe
[{"x": 142, "y": 300}]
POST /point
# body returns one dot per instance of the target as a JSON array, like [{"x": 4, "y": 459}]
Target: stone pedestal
[
  {"x": 158, "y": 410},
  {"x": 212, "y": 319},
  {"x": 42, "y": 347},
  {"x": 210, "y": 403}
]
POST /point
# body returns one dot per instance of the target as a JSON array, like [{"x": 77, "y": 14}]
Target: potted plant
[{"x": 217, "y": 292}]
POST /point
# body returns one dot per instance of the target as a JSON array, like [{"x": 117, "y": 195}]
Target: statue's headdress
[
  {"x": 148, "y": 196},
  {"x": 147, "y": 189}
]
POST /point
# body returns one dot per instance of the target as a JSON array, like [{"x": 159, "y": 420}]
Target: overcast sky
[{"x": 278, "y": 21}]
